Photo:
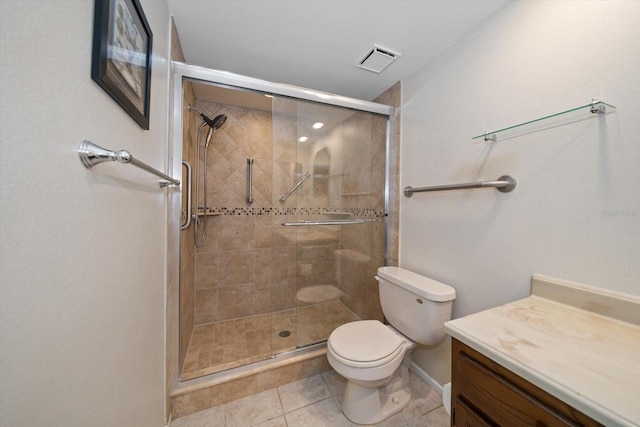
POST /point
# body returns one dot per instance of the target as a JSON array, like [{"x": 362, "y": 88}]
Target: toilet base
[{"x": 371, "y": 405}]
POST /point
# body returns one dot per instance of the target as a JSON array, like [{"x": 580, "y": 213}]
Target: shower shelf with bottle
[{"x": 595, "y": 107}]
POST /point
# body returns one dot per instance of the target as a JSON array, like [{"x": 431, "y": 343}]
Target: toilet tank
[{"x": 415, "y": 305}]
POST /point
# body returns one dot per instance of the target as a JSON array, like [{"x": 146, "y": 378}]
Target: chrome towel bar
[
  {"x": 328, "y": 222},
  {"x": 92, "y": 154},
  {"x": 504, "y": 184}
]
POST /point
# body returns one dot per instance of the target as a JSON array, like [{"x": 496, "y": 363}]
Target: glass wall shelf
[{"x": 595, "y": 107}]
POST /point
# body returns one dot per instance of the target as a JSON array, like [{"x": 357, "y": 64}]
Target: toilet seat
[{"x": 365, "y": 344}]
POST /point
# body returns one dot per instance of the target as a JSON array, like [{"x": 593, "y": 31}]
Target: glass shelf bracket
[{"x": 595, "y": 107}]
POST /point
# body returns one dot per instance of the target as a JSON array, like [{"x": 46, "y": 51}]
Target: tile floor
[
  {"x": 314, "y": 402},
  {"x": 228, "y": 344}
]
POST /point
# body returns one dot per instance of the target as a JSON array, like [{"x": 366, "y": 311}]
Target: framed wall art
[{"x": 121, "y": 58}]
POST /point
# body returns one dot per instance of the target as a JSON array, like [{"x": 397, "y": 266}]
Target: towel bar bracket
[{"x": 92, "y": 154}]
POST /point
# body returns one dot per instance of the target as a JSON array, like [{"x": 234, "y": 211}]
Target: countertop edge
[{"x": 586, "y": 406}]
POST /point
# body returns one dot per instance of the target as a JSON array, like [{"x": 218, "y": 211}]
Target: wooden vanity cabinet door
[
  {"x": 498, "y": 397},
  {"x": 500, "y": 400},
  {"x": 467, "y": 417}
]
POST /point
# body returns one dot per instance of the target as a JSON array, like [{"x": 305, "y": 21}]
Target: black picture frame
[{"x": 121, "y": 57}]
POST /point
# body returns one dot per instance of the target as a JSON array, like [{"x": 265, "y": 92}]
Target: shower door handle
[
  {"x": 188, "y": 221},
  {"x": 250, "y": 180}
]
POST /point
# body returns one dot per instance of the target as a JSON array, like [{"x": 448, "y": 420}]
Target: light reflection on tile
[
  {"x": 303, "y": 392},
  {"x": 253, "y": 409}
]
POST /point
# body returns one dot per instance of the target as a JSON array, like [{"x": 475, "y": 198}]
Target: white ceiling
[{"x": 317, "y": 43}]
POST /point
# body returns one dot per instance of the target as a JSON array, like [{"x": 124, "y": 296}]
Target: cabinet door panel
[
  {"x": 500, "y": 400},
  {"x": 467, "y": 417}
]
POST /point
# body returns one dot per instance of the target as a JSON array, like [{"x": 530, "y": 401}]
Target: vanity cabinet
[{"x": 484, "y": 393}]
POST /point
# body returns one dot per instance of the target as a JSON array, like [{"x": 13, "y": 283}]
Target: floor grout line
[{"x": 284, "y": 414}]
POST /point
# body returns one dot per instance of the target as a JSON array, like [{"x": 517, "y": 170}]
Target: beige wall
[
  {"x": 82, "y": 267},
  {"x": 575, "y": 213}
]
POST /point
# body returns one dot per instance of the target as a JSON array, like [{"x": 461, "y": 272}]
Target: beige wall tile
[
  {"x": 283, "y": 295},
  {"x": 236, "y": 301},
  {"x": 206, "y": 306},
  {"x": 262, "y": 272},
  {"x": 186, "y": 307},
  {"x": 189, "y": 403},
  {"x": 237, "y": 267},
  {"x": 206, "y": 270}
]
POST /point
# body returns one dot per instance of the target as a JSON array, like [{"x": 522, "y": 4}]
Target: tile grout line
[{"x": 284, "y": 414}]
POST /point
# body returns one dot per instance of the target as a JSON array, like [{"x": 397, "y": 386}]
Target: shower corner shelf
[
  {"x": 595, "y": 107},
  {"x": 208, "y": 213}
]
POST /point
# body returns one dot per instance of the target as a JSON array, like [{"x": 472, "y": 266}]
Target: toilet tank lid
[{"x": 418, "y": 284}]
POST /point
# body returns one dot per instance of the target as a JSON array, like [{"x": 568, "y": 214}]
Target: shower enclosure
[{"x": 296, "y": 225}]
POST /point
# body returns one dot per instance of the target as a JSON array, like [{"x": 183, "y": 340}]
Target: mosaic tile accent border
[{"x": 244, "y": 211}]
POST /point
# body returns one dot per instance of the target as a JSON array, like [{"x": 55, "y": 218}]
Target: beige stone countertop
[{"x": 578, "y": 343}]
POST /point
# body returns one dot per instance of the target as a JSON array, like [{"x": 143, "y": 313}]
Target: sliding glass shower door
[
  {"x": 263, "y": 283},
  {"x": 328, "y": 192}
]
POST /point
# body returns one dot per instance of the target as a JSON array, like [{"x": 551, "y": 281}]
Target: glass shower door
[{"x": 328, "y": 171}]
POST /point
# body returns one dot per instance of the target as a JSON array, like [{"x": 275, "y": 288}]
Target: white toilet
[{"x": 374, "y": 357}]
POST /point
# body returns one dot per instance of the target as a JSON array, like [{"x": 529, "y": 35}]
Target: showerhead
[
  {"x": 214, "y": 124},
  {"x": 217, "y": 122}
]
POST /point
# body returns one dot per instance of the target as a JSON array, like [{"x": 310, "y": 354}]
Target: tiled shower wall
[
  {"x": 250, "y": 264},
  {"x": 361, "y": 247},
  {"x": 234, "y": 272},
  {"x": 187, "y": 248},
  {"x": 392, "y": 96}
]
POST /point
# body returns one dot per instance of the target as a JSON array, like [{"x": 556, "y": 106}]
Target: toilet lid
[{"x": 364, "y": 341}]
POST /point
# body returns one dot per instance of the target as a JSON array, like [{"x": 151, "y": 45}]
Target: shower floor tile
[
  {"x": 316, "y": 322},
  {"x": 225, "y": 345}
]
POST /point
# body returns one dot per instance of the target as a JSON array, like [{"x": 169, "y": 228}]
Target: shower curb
[{"x": 227, "y": 386}]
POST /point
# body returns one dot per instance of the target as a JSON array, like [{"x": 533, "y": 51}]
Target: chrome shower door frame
[{"x": 180, "y": 72}]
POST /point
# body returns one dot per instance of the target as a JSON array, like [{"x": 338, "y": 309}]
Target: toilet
[{"x": 374, "y": 357}]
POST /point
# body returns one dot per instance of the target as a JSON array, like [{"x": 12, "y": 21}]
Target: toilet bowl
[
  {"x": 369, "y": 354},
  {"x": 375, "y": 358}
]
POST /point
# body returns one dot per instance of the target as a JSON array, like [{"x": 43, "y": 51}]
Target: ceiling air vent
[{"x": 377, "y": 59}]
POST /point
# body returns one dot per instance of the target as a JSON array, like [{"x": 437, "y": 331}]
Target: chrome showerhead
[
  {"x": 214, "y": 124},
  {"x": 217, "y": 122}
]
